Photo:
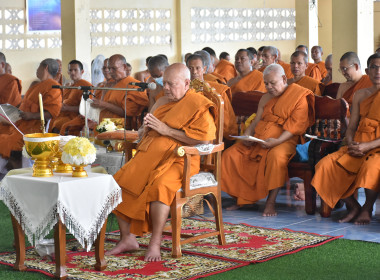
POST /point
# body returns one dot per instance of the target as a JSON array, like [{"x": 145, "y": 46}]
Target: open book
[
  {"x": 247, "y": 138},
  {"x": 9, "y": 111}
]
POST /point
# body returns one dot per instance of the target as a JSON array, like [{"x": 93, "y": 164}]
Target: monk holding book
[{"x": 252, "y": 171}]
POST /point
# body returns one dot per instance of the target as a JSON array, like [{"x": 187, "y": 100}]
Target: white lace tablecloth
[{"x": 82, "y": 204}]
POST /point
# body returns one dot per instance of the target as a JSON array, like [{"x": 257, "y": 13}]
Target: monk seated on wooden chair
[
  {"x": 251, "y": 171},
  {"x": 151, "y": 179},
  {"x": 338, "y": 175}
]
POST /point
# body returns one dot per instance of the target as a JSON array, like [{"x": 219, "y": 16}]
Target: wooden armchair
[
  {"x": 244, "y": 105},
  {"x": 331, "y": 90},
  {"x": 210, "y": 169},
  {"x": 330, "y": 128}
]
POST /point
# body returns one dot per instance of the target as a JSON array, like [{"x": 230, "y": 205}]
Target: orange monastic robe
[
  {"x": 71, "y": 97},
  {"x": 226, "y": 69},
  {"x": 155, "y": 172},
  {"x": 10, "y": 138},
  {"x": 253, "y": 81},
  {"x": 249, "y": 173},
  {"x": 338, "y": 175},
  {"x": 310, "y": 83},
  {"x": 214, "y": 77},
  {"x": 322, "y": 68},
  {"x": 10, "y": 90},
  {"x": 136, "y": 100},
  {"x": 313, "y": 71},
  {"x": 364, "y": 82},
  {"x": 286, "y": 66},
  {"x": 230, "y": 125}
]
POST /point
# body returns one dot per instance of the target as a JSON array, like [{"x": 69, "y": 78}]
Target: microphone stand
[{"x": 86, "y": 94}]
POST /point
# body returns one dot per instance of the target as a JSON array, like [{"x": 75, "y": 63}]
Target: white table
[
  {"x": 80, "y": 204},
  {"x": 112, "y": 161}
]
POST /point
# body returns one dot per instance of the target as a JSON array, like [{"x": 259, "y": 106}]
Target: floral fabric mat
[{"x": 245, "y": 244}]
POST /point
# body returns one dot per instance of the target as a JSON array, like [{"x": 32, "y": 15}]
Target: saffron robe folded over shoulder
[
  {"x": 136, "y": 100},
  {"x": 10, "y": 138},
  {"x": 322, "y": 68},
  {"x": 249, "y": 173},
  {"x": 155, "y": 172},
  {"x": 226, "y": 69},
  {"x": 313, "y": 71},
  {"x": 10, "y": 90},
  {"x": 338, "y": 175},
  {"x": 310, "y": 83},
  {"x": 71, "y": 97},
  {"x": 253, "y": 81},
  {"x": 364, "y": 82},
  {"x": 214, "y": 77}
]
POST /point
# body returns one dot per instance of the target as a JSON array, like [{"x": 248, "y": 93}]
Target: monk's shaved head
[
  {"x": 351, "y": 57},
  {"x": 52, "y": 66},
  {"x": 2, "y": 58},
  {"x": 329, "y": 58},
  {"x": 274, "y": 68},
  {"x": 158, "y": 62},
  {"x": 272, "y": 50},
  {"x": 181, "y": 70},
  {"x": 206, "y": 59},
  {"x": 300, "y": 53},
  {"x": 117, "y": 57},
  {"x": 176, "y": 81},
  {"x": 303, "y": 48},
  {"x": 195, "y": 57}
]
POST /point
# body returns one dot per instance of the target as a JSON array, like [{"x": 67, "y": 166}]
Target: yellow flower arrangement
[
  {"x": 78, "y": 150},
  {"x": 106, "y": 125}
]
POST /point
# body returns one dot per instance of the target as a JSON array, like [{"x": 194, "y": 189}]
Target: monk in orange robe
[
  {"x": 113, "y": 104},
  {"x": 298, "y": 62},
  {"x": 10, "y": 138},
  {"x": 327, "y": 80},
  {"x": 316, "y": 55},
  {"x": 270, "y": 55},
  {"x": 248, "y": 79},
  {"x": 221, "y": 68},
  {"x": 349, "y": 66},
  {"x": 312, "y": 69},
  {"x": 251, "y": 171},
  {"x": 356, "y": 165},
  {"x": 71, "y": 97},
  {"x": 150, "y": 180},
  {"x": 156, "y": 66},
  {"x": 143, "y": 75},
  {"x": 10, "y": 86},
  {"x": 197, "y": 69},
  {"x": 75, "y": 126}
]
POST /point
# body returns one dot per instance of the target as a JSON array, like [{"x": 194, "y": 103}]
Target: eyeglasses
[
  {"x": 374, "y": 67},
  {"x": 344, "y": 69}
]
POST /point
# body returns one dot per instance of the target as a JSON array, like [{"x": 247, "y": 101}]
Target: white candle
[{"x": 41, "y": 107}]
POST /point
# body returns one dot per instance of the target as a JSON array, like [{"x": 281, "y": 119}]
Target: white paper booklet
[
  {"x": 12, "y": 112},
  {"x": 247, "y": 138}
]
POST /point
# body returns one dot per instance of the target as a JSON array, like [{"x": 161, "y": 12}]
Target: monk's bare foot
[
  {"x": 233, "y": 207},
  {"x": 364, "y": 217},
  {"x": 127, "y": 243},
  {"x": 352, "y": 214},
  {"x": 299, "y": 192},
  {"x": 270, "y": 210},
  {"x": 154, "y": 253}
]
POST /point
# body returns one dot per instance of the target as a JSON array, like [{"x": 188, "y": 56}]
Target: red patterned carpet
[{"x": 245, "y": 244}]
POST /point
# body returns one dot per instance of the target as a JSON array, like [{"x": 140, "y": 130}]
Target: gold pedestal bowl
[{"x": 41, "y": 147}]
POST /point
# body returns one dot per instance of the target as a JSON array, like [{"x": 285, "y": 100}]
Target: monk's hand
[
  {"x": 357, "y": 149},
  {"x": 96, "y": 103},
  {"x": 27, "y": 116},
  {"x": 247, "y": 143},
  {"x": 152, "y": 122},
  {"x": 270, "y": 143}
]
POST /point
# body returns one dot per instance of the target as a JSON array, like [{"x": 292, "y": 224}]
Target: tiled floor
[{"x": 292, "y": 215}]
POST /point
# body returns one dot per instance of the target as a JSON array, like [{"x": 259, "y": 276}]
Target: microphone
[{"x": 151, "y": 86}]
